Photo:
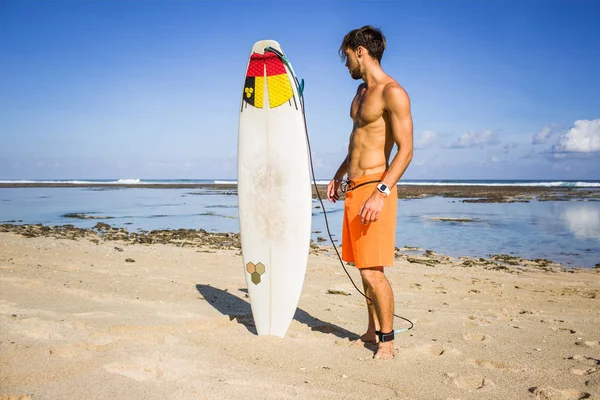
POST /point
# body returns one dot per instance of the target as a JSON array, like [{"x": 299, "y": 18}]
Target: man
[{"x": 381, "y": 118}]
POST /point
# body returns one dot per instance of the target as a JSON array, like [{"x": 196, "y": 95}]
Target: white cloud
[
  {"x": 583, "y": 137},
  {"x": 426, "y": 139},
  {"x": 509, "y": 146},
  {"x": 544, "y": 134},
  {"x": 473, "y": 139}
]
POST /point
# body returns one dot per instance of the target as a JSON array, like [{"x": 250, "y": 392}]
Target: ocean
[
  {"x": 567, "y": 232},
  {"x": 438, "y": 182}
]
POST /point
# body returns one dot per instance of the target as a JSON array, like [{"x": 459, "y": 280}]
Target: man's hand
[
  {"x": 370, "y": 211},
  {"x": 332, "y": 190}
]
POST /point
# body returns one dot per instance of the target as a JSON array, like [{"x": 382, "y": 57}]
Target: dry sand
[{"x": 111, "y": 320}]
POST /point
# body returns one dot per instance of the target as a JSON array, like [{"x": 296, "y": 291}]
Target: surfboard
[{"x": 274, "y": 190}]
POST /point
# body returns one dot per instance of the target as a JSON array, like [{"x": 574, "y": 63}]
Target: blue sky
[{"x": 151, "y": 89}]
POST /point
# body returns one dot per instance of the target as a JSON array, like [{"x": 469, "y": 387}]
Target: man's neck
[{"x": 373, "y": 75}]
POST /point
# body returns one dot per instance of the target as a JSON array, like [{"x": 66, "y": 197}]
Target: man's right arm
[
  {"x": 333, "y": 186},
  {"x": 342, "y": 170}
]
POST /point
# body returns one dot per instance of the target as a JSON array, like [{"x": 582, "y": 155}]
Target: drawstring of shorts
[{"x": 348, "y": 185}]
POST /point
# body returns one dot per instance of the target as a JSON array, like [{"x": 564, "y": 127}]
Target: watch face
[{"x": 382, "y": 187}]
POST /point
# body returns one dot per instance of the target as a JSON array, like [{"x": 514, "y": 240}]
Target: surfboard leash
[{"x": 300, "y": 88}]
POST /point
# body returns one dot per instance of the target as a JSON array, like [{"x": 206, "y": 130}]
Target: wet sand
[{"x": 103, "y": 314}]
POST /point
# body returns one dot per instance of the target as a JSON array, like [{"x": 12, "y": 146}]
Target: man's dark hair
[{"x": 368, "y": 37}]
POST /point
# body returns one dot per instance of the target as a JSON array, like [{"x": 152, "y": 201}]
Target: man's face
[{"x": 352, "y": 63}]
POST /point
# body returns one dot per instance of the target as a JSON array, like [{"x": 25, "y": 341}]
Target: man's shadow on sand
[{"x": 238, "y": 309}]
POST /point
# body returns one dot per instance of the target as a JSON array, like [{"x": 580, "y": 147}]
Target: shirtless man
[{"x": 381, "y": 115}]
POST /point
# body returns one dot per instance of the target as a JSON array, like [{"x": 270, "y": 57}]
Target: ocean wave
[
  {"x": 128, "y": 181},
  {"x": 507, "y": 183},
  {"x": 74, "y": 182}
]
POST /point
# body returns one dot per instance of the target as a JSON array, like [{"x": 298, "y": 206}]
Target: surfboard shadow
[{"x": 240, "y": 310}]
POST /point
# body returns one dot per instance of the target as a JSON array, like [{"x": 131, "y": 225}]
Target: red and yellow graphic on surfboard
[{"x": 277, "y": 81}]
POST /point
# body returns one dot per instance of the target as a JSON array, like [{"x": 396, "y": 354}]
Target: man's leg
[
  {"x": 383, "y": 298},
  {"x": 370, "y": 336}
]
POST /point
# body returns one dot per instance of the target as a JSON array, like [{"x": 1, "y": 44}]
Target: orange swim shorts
[{"x": 369, "y": 245}]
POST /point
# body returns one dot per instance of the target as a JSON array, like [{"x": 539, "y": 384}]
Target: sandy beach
[{"x": 99, "y": 317}]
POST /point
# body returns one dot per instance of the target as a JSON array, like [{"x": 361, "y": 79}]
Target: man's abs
[{"x": 367, "y": 150}]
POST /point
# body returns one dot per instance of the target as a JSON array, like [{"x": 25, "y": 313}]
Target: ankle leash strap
[{"x": 385, "y": 337}]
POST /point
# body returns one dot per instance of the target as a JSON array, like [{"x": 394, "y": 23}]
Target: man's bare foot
[
  {"x": 367, "y": 338},
  {"x": 385, "y": 351}
]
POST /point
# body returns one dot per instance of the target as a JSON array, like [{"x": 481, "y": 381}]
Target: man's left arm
[{"x": 397, "y": 106}]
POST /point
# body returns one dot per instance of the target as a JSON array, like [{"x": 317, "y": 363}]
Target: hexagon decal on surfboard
[
  {"x": 255, "y": 271},
  {"x": 277, "y": 81}
]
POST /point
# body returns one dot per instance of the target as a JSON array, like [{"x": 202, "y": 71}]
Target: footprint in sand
[
  {"x": 550, "y": 393},
  {"x": 495, "y": 365},
  {"x": 585, "y": 360},
  {"x": 434, "y": 350},
  {"x": 584, "y": 371},
  {"x": 587, "y": 343},
  {"x": 140, "y": 371},
  {"x": 585, "y": 365},
  {"x": 473, "y": 321},
  {"x": 475, "y": 337},
  {"x": 468, "y": 382}
]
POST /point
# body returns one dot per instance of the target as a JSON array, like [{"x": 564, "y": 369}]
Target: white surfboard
[{"x": 274, "y": 190}]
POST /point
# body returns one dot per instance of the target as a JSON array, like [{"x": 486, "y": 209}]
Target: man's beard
[{"x": 355, "y": 74}]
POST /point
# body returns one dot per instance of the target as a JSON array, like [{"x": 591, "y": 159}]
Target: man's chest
[{"x": 367, "y": 107}]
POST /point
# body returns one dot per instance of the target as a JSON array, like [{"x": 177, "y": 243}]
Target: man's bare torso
[{"x": 371, "y": 141}]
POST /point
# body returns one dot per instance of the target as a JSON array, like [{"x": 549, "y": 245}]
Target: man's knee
[{"x": 372, "y": 276}]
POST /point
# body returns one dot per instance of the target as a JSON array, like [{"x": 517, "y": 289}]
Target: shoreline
[
  {"x": 199, "y": 238},
  {"x": 473, "y": 193}
]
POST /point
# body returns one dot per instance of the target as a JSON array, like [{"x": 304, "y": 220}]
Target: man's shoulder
[
  {"x": 392, "y": 87},
  {"x": 395, "y": 96}
]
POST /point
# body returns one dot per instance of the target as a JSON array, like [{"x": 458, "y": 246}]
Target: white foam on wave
[
  {"x": 522, "y": 184},
  {"x": 128, "y": 181},
  {"x": 50, "y": 181},
  {"x": 72, "y": 182},
  {"x": 587, "y": 184}
]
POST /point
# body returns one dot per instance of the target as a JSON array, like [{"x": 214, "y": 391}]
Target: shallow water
[{"x": 567, "y": 232}]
